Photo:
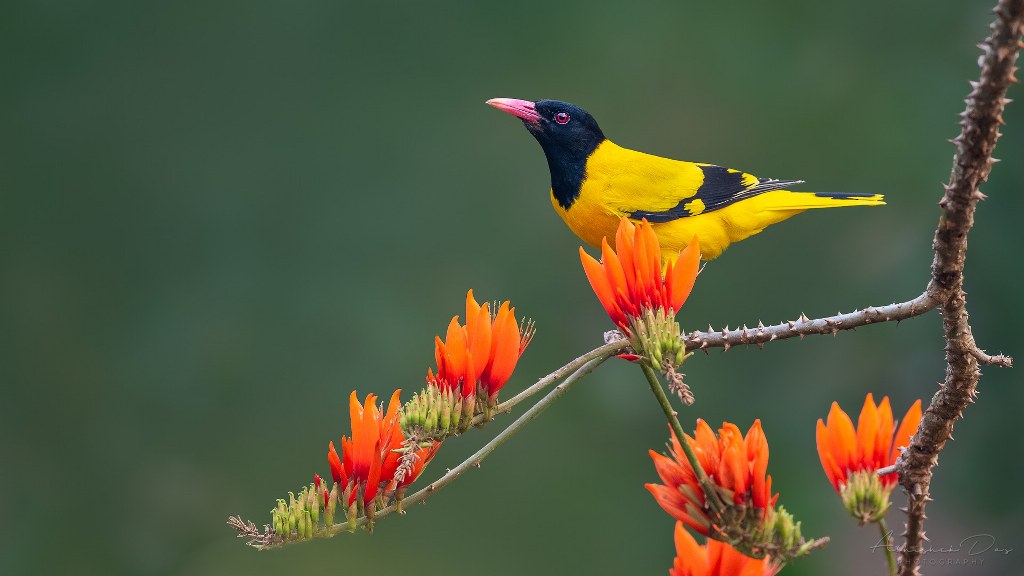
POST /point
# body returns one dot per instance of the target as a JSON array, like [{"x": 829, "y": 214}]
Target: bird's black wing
[{"x": 720, "y": 188}]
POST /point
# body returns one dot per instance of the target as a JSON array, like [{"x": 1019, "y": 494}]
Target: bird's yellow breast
[{"x": 620, "y": 181}]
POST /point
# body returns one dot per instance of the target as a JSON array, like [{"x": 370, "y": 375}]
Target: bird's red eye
[{"x": 562, "y": 118}]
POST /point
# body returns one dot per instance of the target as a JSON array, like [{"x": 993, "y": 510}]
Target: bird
[{"x": 595, "y": 183}]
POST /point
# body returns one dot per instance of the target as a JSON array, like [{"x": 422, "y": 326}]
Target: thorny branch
[{"x": 971, "y": 165}]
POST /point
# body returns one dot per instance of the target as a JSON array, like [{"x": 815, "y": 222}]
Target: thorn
[
  {"x": 804, "y": 318},
  {"x": 726, "y": 346},
  {"x": 760, "y": 325},
  {"x": 977, "y": 195}
]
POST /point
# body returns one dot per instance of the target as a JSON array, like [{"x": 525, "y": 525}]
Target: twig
[
  {"x": 804, "y": 326},
  {"x": 971, "y": 166},
  {"x": 997, "y": 360}
]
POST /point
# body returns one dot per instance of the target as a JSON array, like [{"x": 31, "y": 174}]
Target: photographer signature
[{"x": 971, "y": 545}]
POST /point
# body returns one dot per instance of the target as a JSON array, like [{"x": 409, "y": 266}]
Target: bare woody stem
[{"x": 971, "y": 165}]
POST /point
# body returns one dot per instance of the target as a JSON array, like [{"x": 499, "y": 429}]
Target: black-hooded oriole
[{"x": 594, "y": 183}]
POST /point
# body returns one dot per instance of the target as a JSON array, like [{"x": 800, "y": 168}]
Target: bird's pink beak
[{"x": 519, "y": 108}]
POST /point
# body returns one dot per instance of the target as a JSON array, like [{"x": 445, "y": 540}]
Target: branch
[
  {"x": 804, "y": 326},
  {"x": 971, "y": 166}
]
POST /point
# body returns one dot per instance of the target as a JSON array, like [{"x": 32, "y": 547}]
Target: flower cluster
[
  {"x": 629, "y": 279},
  {"x": 642, "y": 298},
  {"x": 850, "y": 457},
  {"x": 737, "y": 465},
  {"x": 377, "y": 462},
  {"x": 476, "y": 359},
  {"x": 734, "y": 503}
]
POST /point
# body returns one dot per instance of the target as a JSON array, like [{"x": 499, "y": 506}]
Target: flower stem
[
  {"x": 710, "y": 493},
  {"x": 889, "y": 556}
]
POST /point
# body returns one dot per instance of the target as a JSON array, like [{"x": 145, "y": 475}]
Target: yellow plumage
[{"x": 619, "y": 182}]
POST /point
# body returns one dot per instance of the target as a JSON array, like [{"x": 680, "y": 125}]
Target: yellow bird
[{"x": 594, "y": 183}]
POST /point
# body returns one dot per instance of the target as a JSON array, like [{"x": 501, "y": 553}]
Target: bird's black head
[{"x": 567, "y": 133}]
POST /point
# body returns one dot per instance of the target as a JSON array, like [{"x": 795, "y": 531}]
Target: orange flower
[
  {"x": 630, "y": 279},
  {"x": 851, "y": 456},
  {"x": 361, "y": 454},
  {"x": 871, "y": 446},
  {"x": 715, "y": 559},
  {"x": 484, "y": 351},
  {"x": 737, "y": 465},
  {"x": 372, "y": 457}
]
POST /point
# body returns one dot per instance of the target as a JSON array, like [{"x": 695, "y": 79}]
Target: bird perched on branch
[{"x": 594, "y": 183}]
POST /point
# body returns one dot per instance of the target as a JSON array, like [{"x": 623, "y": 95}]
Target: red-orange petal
[
  {"x": 828, "y": 463},
  {"x": 615, "y": 273},
  {"x": 907, "y": 428},
  {"x": 337, "y": 470},
  {"x": 883, "y": 441},
  {"x": 599, "y": 282},
  {"x": 506, "y": 350},
  {"x": 684, "y": 274},
  {"x": 391, "y": 438},
  {"x": 867, "y": 432},
  {"x": 842, "y": 438},
  {"x": 625, "y": 250},
  {"x": 456, "y": 357},
  {"x": 478, "y": 331},
  {"x": 691, "y": 558}
]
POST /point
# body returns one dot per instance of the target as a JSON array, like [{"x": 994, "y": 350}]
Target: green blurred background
[{"x": 218, "y": 218}]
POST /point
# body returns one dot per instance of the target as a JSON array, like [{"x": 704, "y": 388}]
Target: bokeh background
[{"x": 218, "y": 218}]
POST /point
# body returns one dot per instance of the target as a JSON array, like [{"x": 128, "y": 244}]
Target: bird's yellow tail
[{"x": 807, "y": 200}]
